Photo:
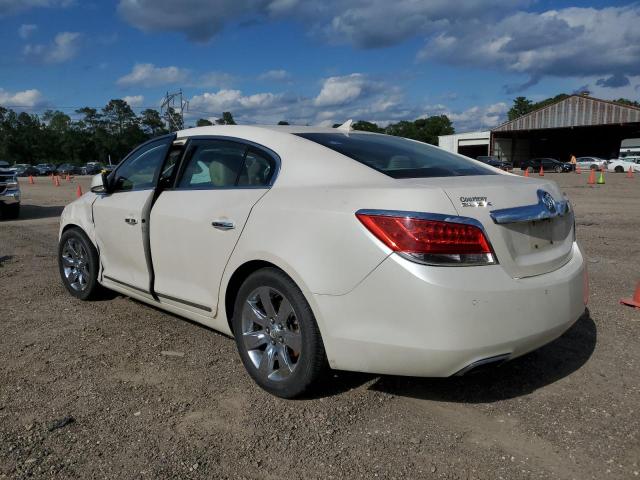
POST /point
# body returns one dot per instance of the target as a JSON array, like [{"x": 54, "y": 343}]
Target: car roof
[{"x": 241, "y": 130}]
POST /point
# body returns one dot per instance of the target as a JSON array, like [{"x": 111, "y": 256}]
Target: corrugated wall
[{"x": 575, "y": 111}]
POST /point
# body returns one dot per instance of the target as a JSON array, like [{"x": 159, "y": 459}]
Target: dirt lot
[{"x": 86, "y": 392}]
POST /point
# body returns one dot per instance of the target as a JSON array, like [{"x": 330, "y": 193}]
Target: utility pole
[{"x": 172, "y": 110}]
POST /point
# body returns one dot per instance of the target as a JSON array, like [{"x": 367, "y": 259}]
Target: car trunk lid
[{"x": 528, "y": 221}]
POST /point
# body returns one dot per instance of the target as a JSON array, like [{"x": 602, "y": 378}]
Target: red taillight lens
[{"x": 430, "y": 241}]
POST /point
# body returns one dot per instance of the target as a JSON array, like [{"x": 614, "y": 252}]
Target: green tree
[
  {"x": 521, "y": 106},
  {"x": 227, "y": 119},
  {"x": 424, "y": 129},
  {"x": 365, "y": 126},
  {"x": 152, "y": 123},
  {"x": 203, "y": 122}
]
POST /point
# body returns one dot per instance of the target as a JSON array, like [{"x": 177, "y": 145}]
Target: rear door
[
  {"x": 121, "y": 218},
  {"x": 195, "y": 226}
]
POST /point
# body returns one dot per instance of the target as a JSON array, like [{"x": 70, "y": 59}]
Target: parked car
[
  {"x": 4, "y": 165},
  {"x": 25, "y": 170},
  {"x": 316, "y": 245},
  {"x": 91, "y": 168},
  {"x": 592, "y": 163},
  {"x": 495, "y": 162},
  {"x": 622, "y": 165},
  {"x": 46, "y": 168},
  {"x": 548, "y": 164},
  {"x": 67, "y": 169},
  {"x": 9, "y": 194}
]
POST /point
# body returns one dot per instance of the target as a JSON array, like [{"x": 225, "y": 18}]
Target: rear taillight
[{"x": 432, "y": 242}]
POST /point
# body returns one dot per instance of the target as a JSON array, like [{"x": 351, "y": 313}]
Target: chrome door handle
[
  {"x": 223, "y": 224},
  {"x": 130, "y": 220}
]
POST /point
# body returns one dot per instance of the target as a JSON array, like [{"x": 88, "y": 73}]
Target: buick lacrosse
[{"x": 320, "y": 247}]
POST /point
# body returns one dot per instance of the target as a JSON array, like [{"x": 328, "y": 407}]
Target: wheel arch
[{"x": 242, "y": 272}]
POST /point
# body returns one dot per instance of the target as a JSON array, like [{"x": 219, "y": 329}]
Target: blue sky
[{"x": 317, "y": 62}]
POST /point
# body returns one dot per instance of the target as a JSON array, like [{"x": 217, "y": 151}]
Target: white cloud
[
  {"x": 134, "y": 100},
  {"x": 569, "y": 42},
  {"x": 478, "y": 117},
  {"x": 21, "y": 100},
  {"x": 64, "y": 47},
  {"x": 341, "y": 90},
  {"x": 506, "y": 35},
  {"x": 26, "y": 30},
  {"x": 275, "y": 75},
  {"x": 148, "y": 75}
]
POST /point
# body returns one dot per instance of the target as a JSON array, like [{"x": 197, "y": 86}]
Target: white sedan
[
  {"x": 621, "y": 165},
  {"x": 320, "y": 247}
]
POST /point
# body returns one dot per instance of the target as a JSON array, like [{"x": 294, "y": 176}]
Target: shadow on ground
[
  {"x": 31, "y": 212},
  {"x": 518, "y": 377}
]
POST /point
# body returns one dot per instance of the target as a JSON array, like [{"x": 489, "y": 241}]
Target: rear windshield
[{"x": 396, "y": 156}]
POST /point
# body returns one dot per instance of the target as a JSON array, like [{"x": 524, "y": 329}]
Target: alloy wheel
[
  {"x": 75, "y": 263},
  {"x": 271, "y": 333}
]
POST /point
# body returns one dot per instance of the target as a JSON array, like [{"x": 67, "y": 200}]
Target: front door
[
  {"x": 196, "y": 225},
  {"x": 122, "y": 217}
]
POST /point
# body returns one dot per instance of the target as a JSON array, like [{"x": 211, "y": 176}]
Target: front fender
[{"x": 79, "y": 213}]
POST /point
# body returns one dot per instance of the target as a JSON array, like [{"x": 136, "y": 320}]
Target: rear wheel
[
  {"x": 277, "y": 335},
  {"x": 619, "y": 169},
  {"x": 78, "y": 264}
]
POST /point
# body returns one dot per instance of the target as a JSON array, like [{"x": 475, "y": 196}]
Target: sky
[{"x": 317, "y": 63}]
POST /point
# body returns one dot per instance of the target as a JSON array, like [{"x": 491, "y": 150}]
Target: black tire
[
  {"x": 91, "y": 289},
  {"x": 11, "y": 212},
  {"x": 593, "y": 167},
  {"x": 619, "y": 169},
  {"x": 310, "y": 360},
  {"x": 530, "y": 169},
  {"x": 558, "y": 169}
]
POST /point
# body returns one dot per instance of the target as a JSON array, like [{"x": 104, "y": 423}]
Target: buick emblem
[{"x": 548, "y": 202}]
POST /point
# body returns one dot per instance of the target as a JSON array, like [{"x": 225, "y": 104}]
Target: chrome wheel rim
[
  {"x": 271, "y": 334},
  {"x": 75, "y": 263}
]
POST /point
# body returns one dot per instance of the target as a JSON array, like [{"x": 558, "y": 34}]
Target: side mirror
[{"x": 100, "y": 183}]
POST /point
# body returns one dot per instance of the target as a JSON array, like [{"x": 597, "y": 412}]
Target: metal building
[
  {"x": 471, "y": 144},
  {"x": 578, "y": 125}
]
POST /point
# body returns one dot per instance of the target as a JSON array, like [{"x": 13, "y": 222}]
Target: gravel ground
[{"x": 118, "y": 389}]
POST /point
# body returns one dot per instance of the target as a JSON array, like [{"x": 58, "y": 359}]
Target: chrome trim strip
[
  {"x": 546, "y": 208},
  {"x": 439, "y": 217},
  {"x": 126, "y": 284},
  {"x": 185, "y": 302},
  {"x": 498, "y": 359}
]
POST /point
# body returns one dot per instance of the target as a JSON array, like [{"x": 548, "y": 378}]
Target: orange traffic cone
[
  {"x": 31, "y": 179},
  {"x": 68, "y": 178},
  {"x": 630, "y": 173},
  {"x": 592, "y": 177},
  {"x": 635, "y": 301},
  {"x": 56, "y": 181},
  {"x": 578, "y": 168},
  {"x": 541, "y": 173},
  {"x": 78, "y": 191},
  {"x": 526, "y": 172}
]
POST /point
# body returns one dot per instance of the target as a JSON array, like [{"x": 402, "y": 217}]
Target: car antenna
[{"x": 346, "y": 126}]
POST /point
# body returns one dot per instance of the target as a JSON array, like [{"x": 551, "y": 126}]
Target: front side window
[
  {"x": 398, "y": 157},
  {"x": 139, "y": 171}
]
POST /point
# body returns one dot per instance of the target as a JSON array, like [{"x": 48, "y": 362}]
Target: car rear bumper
[{"x": 410, "y": 319}]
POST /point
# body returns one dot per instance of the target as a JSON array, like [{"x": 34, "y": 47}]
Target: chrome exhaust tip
[{"x": 480, "y": 365}]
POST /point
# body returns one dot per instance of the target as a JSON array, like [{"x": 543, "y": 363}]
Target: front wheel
[
  {"x": 78, "y": 264},
  {"x": 558, "y": 169},
  {"x": 619, "y": 169},
  {"x": 276, "y": 334}
]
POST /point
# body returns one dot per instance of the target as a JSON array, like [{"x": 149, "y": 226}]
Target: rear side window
[
  {"x": 213, "y": 164},
  {"x": 398, "y": 157},
  {"x": 226, "y": 164}
]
